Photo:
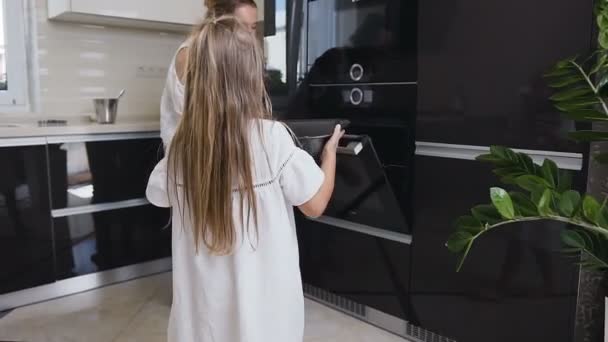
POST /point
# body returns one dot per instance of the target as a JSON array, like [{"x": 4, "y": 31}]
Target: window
[{"x": 13, "y": 70}]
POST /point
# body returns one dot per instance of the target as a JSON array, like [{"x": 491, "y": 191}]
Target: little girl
[{"x": 232, "y": 177}]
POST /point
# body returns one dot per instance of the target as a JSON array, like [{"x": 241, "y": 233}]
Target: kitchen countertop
[{"x": 28, "y": 127}]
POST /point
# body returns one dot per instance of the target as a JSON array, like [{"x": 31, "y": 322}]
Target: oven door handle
[
  {"x": 352, "y": 149},
  {"x": 405, "y": 239}
]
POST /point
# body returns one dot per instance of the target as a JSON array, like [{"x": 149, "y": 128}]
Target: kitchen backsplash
[{"x": 81, "y": 62}]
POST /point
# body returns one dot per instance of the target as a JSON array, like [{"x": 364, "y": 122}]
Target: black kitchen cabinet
[
  {"x": 101, "y": 241},
  {"x": 101, "y": 171},
  {"x": 362, "y": 268},
  {"x": 26, "y": 243},
  {"x": 515, "y": 285},
  {"x": 480, "y": 70}
]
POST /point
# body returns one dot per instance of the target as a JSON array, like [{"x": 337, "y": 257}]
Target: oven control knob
[
  {"x": 356, "y": 96},
  {"x": 356, "y": 72}
]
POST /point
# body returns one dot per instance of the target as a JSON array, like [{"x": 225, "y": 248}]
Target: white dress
[
  {"x": 254, "y": 294},
  {"x": 172, "y": 102}
]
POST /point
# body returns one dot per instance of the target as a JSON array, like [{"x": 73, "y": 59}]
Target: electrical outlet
[{"x": 147, "y": 71}]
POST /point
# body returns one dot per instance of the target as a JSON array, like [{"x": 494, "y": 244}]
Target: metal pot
[{"x": 106, "y": 109}]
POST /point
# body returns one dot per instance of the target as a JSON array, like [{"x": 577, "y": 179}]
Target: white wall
[{"x": 80, "y": 62}]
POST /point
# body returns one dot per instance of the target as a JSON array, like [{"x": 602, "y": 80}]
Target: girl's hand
[{"x": 332, "y": 144}]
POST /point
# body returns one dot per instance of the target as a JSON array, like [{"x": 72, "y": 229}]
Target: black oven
[
  {"x": 361, "y": 41},
  {"x": 357, "y": 60}
]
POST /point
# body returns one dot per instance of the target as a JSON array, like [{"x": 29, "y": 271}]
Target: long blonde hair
[{"x": 209, "y": 156}]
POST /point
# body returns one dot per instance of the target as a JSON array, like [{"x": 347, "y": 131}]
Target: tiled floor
[{"x": 138, "y": 311}]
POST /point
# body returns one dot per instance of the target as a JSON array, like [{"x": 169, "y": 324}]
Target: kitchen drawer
[
  {"x": 85, "y": 173},
  {"x": 93, "y": 242},
  {"x": 26, "y": 242},
  {"x": 512, "y": 276},
  {"x": 366, "y": 269}
]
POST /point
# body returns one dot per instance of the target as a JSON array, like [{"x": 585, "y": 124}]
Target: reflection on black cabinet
[
  {"x": 481, "y": 65},
  {"x": 101, "y": 171},
  {"x": 90, "y": 243},
  {"x": 26, "y": 247},
  {"x": 513, "y": 276},
  {"x": 359, "y": 267}
]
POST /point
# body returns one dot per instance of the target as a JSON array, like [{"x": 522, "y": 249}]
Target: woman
[
  {"x": 173, "y": 95},
  {"x": 233, "y": 177}
]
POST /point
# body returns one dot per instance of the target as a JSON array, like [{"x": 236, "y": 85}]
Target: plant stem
[
  {"x": 562, "y": 219},
  {"x": 595, "y": 91}
]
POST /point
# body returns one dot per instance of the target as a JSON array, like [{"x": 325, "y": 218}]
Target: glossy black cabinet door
[
  {"x": 102, "y": 171},
  {"x": 515, "y": 286},
  {"x": 362, "y": 268},
  {"x": 95, "y": 242},
  {"x": 26, "y": 245},
  {"x": 481, "y": 65}
]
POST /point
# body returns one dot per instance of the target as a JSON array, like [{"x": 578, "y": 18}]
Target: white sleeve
[
  {"x": 156, "y": 191},
  {"x": 300, "y": 176}
]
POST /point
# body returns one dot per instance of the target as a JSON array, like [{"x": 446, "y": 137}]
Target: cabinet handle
[
  {"x": 364, "y": 229},
  {"x": 96, "y": 208}
]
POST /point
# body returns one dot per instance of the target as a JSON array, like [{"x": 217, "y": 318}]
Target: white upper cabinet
[{"x": 174, "y": 15}]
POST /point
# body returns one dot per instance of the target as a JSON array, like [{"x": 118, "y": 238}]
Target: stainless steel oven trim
[
  {"x": 96, "y": 208},
  {"x": 355, "y": 84},
  {"x": 83, "y": 283},
  {"x": 372, "y": 316},
  {"x": 564, "y": 160},
  {"x": 22, "y": 141},
  {"x": 364, "y": 229},
  {"x": 101, "y": 137}
]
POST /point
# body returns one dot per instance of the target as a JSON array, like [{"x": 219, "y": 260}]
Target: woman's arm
[{"x": 316, "y": 206}]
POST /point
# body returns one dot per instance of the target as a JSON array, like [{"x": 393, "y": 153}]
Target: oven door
[
  {"x": 363, "y": 198},
  {"x": 367, "y": 41}
]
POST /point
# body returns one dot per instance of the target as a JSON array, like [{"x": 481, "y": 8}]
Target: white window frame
[{"x": 16, "y": 96}]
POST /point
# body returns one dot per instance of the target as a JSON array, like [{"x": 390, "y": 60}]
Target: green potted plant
[{"x": 543, "y": 192}]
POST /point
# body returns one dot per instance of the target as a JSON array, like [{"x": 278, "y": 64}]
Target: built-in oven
[
  {"x": 366, "y": 41},
  {"x": 356, "y": 60}
]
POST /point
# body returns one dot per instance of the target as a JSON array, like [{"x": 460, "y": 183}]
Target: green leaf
[
  {"x": 599, "y": 64},
  {"x": 487, "y": 214},
  {"x": 565, "y": 181},
  {"x": 588, "y": 136},
  {"x": 544, "y": 204},
  {"x": 587, "y": 115},
  {"x": 503, "y": 203},
  {"x": 603, "y": 40},
  {"x": 536, "y": 195},
  {"x": 591, "y": 209},
  {"x": 489, "y": 158},
  {"x": 523, "y": 204},
  {"x": 469, "y": 224},
  {"x": 503, "y": 153},
  {"x": 565, "y": 63},
  {"x": 532, "y": 183},
  {"x": 569, "y": 94},
  {"x": 601, "y": 82},
  {"x": 558, "y": 72},
  {"x": 550, "y": 172},
  {"x": 594, "y": 246},
  {"x": 509, "y": 172},
  {"x": 459, "y": 241},
  {"x": 602, "y": 21},
  {"x": 573, "y": 239},
  {"x": 566, "y": 81},
  {"x": 576, "y": 106},
  {"x": 527, "y": 163},
  {"x": 569, "y": 202}
]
